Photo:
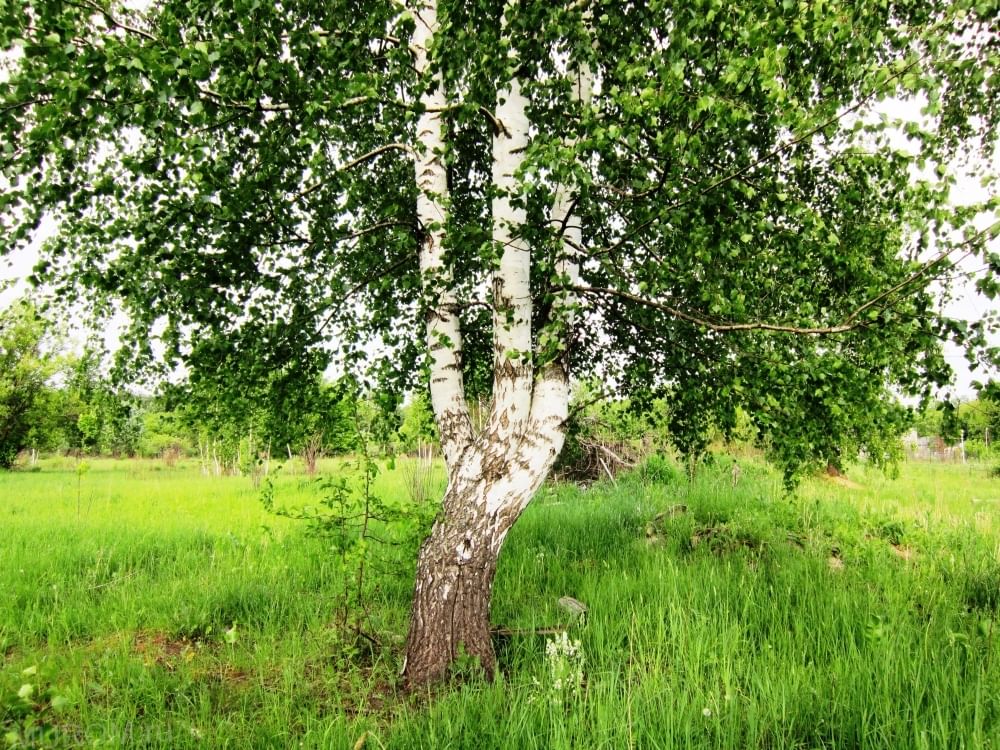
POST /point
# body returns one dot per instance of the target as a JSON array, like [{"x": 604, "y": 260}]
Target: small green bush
[{"x": 660, "y": 470}]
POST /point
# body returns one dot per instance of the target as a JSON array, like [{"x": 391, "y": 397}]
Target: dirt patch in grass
[
  {"x": 169, "y": 652},
  {"x": 160, "y": 649},
  {"x": 835, "y": 563},
  {"x": 902, "y": 552},
  {"x": 228, "y": 674},
  {"x": 723, "y": 539},
  {"x": 841, "y": 481}
]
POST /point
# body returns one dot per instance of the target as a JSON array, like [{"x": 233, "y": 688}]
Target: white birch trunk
[
  {"x": 512, "y": 365},
  {"x": 492, "y": 475},
  {"x": 444, "y": 336},
  {"x": 568, "y": 264}
]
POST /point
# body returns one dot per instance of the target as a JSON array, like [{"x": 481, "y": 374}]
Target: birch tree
[{"x": 705, "y": 202}]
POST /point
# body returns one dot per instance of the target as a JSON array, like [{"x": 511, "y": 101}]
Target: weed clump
[
  {"x": 982, "y": 589},
  {"x": 659, "y": 470}
]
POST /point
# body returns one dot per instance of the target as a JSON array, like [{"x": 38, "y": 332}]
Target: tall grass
[{"x": 159, "y": 608}]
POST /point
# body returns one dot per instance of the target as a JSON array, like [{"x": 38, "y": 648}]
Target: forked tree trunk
[
  {"x": 495, "y": 470},
  {"x": 458, "y": 561}
]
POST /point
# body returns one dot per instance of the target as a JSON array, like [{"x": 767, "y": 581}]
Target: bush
[
  {"x": 659, "y": 469},
  {"x": 977, "y": 450}
]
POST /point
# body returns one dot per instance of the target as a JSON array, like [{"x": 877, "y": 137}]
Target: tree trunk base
[{"x": 450, "y": 622}]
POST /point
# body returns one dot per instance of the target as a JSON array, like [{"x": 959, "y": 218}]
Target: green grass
[
  {"x": 860, "y": 614},
  {"x": 924, "y": 490}
]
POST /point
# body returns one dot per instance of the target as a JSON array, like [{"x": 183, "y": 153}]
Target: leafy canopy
[{"x": 240, "y": 176}]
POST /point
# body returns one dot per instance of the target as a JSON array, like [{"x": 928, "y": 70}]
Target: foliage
[
  {"x": 96, "y": 415},
  {"x": 980, "y": 417},
  {"x": 241, "y": 177},
  {"x": 53, "y": 399},
  {"x": 235, "y": 424},
  {"x": 355, "y": 520},
  {"x": 928, "y": 420},
  {"x": 28, "y": 361},
  {"x": 165, "y": 431},
  {"x": 976, "y": 420},
  {"x": 416, "y": 426}
]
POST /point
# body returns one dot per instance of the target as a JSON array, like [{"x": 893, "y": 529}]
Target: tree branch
[
  {"x": 781, "y": 148},
  {"x": 920, "y": 272},
  {"x": 354, "y": 163},
  {"x": 363, "y": 284},
  {"x": 850, "y": 322},
  {"x": 703, "y": 322},
  {"x": 113, "y": 21},
  {"x": 776, "y": 151}
]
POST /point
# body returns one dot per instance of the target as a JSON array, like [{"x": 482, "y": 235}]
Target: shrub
[{"x": 659, "y": 469}]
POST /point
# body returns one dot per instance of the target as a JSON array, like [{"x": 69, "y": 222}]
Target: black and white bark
[
  {"x": 444, "y": 334},
  {"x": 492, "y": 473}
]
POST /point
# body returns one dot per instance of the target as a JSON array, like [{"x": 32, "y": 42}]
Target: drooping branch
[
  {"x": 704, "y": 322},
  {"x": 354, "y": 163},
  {"x": 742, "y": 172},
  {"x": 849, "y": 322},
  {"x": 113, "y": 20},
  {"x": 372, "y": 154},
  {"x": 921, "y": 272},
  {"x": 365, "y": 283}
]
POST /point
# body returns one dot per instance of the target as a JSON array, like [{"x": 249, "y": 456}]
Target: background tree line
[
  {"x": 975, "y": 421},
  {"x": 54, "y": 399}
]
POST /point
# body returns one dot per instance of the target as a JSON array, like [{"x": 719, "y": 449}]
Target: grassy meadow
[{"x": 143, "y": 605}]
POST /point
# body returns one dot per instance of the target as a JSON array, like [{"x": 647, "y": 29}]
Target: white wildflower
[{"x": 564, "y": 660}]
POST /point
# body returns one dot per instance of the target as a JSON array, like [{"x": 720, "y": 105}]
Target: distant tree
[
  {"x": 990, "y": 397},
  {"x": 320, "y": 421},
  {"x": 95, "y": 414},
  {"x": 28, "y": 362},
  {"x": 309, "y": 418},
  {"x": 980, "y": 417},
  {"x": 123, "y": 424},
  {"x": 927, "y": 419},
  {"x": 164, "y": 431},
  {"x": 417, "y": 426},
  {"x": 972, "y": 419}
]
